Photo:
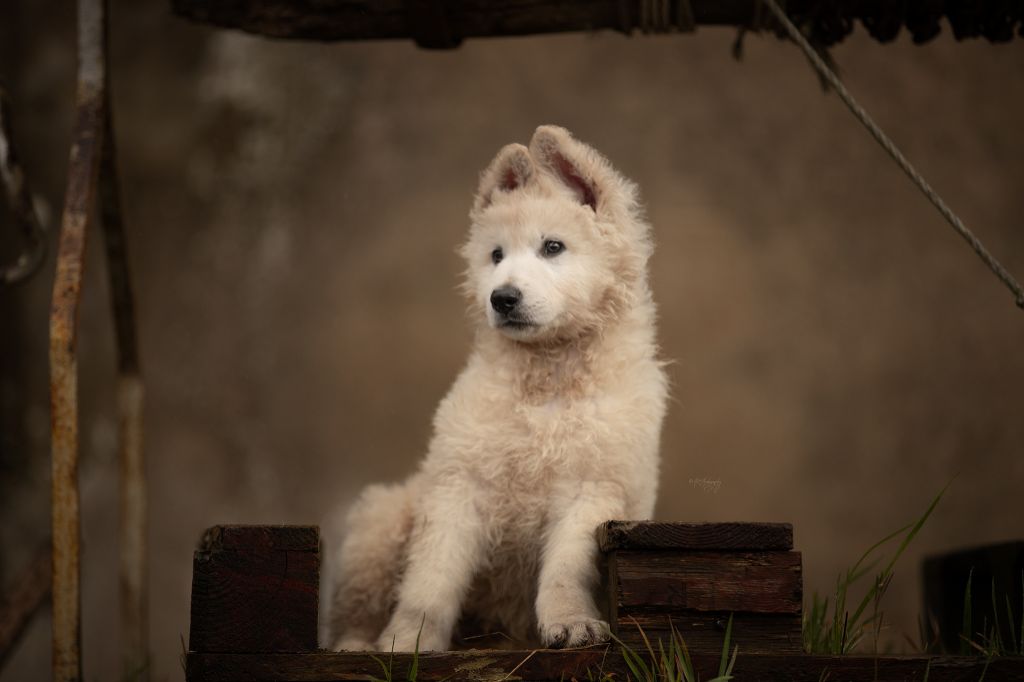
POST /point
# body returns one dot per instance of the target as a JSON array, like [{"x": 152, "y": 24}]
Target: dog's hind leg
[
  {"x": 445, "y": 550},
  {"x": 368, "y": 565}
]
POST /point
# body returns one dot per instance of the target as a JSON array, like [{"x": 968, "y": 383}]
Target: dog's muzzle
[{"x": 505, "y": 299}]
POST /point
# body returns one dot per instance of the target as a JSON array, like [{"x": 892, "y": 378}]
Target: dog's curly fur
[{"x": 551, "y": 428}]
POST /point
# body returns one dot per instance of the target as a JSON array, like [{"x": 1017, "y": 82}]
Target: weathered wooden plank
[
  {"x": 440, "y": 25},
  {"x": 547, "y": 665},
  {"x": 705, "y": 632},
  {"x": 261, "y": 597},
  {"x": 300, "y": 538},
  {"x": 694, "y": 536},
  {"x": 445, "y": 24},
  {"x": 460, "y": 665},
  {"x": 753, "y": 582}
]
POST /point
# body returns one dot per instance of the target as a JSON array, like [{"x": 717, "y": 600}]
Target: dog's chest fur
[{"x": 542, "y": 419}]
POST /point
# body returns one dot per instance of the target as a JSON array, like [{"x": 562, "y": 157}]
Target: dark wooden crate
[
  {"x": 255, "y": 589},
  {"x": 254, "y": 612},
  {"x": 692, "y": 577},
  {"x": 996, "y": 575}
]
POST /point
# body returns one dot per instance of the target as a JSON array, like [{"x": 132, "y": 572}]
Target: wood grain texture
[
  {"x": 694, "y": 536},
  {"x": 704, "y": 633},
  {"x": 445, "y": 26},
  {"x": 546, "y": 665},
  {"x": 752, "y": 582},
  {"x": 301, "y": 538},
  {"x": 259, "y": 598}
]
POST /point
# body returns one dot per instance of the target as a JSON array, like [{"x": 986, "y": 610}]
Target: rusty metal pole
[
  {"x": 79, "y": 202},
  {"x": 133, "y": 572}
]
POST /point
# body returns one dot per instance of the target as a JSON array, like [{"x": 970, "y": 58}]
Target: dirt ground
[{"x": 838, "y": 353}]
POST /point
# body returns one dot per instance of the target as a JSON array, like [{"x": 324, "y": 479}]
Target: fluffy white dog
[{"x": 551, "y": 429}]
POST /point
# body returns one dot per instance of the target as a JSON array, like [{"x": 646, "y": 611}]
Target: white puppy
[{"x": 551, "y": 429}]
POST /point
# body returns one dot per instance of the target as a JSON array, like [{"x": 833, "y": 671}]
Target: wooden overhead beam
[{"x": 446, "y": 23}]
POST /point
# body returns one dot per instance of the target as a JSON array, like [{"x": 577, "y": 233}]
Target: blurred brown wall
[{"x": 839, "y": 355}]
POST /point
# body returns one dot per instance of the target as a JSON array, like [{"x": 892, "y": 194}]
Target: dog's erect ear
[
  {"x": 511, "y": 169},
  {"x": 573, "y": 163}
]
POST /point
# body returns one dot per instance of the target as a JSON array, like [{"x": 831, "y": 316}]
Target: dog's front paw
[
  {"x": 351, "y": 643},
  {"x": 574, "y": 633},
  {"x": 409, "y": 634}
]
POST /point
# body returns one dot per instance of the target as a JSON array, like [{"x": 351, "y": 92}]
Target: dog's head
[{"x": 557, "y": 246}]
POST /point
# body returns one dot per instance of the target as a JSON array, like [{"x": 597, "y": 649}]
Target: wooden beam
[
  {"x": 758, "y": 582},
  {"x": 446, "y": 23},
  {"x": 695, "y": 536},
  {"x": 548, "y": 665}
]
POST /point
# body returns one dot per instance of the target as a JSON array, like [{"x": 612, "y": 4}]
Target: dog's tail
[{"x": 364, "y": 544}]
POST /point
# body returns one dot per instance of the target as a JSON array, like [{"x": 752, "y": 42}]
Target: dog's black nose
[{"x": 505, "y": 299}]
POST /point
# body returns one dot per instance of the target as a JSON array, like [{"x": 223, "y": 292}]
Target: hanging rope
[{"x": 897, "y": 156}]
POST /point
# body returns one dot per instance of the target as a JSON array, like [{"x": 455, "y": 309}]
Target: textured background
[{"x": 293, "y": 212}]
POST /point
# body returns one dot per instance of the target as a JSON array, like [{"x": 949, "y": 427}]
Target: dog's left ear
[
  {"x": 576, "y": 165},
  {"x": 511, "y": 169}
]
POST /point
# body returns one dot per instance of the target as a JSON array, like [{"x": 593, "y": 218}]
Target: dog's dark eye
[
  {"x": 552, "y": 247},
  {"x": 497, "y": 255}
]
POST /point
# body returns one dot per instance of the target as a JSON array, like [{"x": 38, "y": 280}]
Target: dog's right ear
[{"x": 511, "y": 169}]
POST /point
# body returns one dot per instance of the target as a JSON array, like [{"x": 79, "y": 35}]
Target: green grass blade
[
  {"x": 687, "y": 663},
  {"x": 887, "y": 573},
  {"x": 1014, "y": 646},
  {"x": 653, "y": 671},
  {"x": 385, "y": 668},
  {"x": 1020, "y": 632},
  {"x": 414, "y": 667},
  {"x": 678, "y": 657},
  {"x": 917, "y": 527},
  {"x": 732, "y": 661},
  {"x": 844, "y": 634},
  {"x": 646, "y": 642},
  {"x": 391, "y": 660},
  {"x": 833, "y": 629},
  {"x": 926, "y": 633},
  {"x": 813, "y": 625},
  {"x": 725, "y": 648},
  {"x": 985, "y": 669},
  {"x": 857, "y": 572},
  {"x": 633, "y": 660},
  {"x": 667, "y": 661},
  {"x": 966, "y": 628},
  {"x": 997, "y": 634},
  {"x": 852, "y": 575},
  {"x": 628, "y": 656}
]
